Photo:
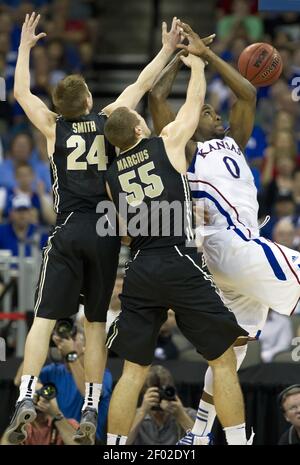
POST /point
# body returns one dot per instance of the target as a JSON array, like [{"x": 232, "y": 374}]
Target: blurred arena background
[{"x": 109, "y": 42}]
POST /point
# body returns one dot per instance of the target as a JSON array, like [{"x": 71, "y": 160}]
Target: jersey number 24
[{"x": 95, "y": 156}]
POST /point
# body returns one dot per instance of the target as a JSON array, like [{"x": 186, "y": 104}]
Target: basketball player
[
  {"x": 252, "y": 273},
  {"x": 76, "y": 258},
  {"x": 148, "y": 174}
]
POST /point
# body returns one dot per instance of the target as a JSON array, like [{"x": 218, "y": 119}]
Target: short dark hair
[
  {"x": 119, "y": 128},
  {"x": 158, "y": 376},
  {"x": 289, "y": 391},
  {"x": 69, "y": 96}
]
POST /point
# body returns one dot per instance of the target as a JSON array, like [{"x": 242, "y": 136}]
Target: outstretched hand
[
  {"x": 196, "y": 45},
  {"x": 28, "y": 36},
  {"x": 173, "y": 37},
  {"x": 190, "y": 59}
]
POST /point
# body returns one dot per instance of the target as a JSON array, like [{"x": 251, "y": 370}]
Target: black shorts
[
  {"x": 170, "y": 278},
  {"x": 77, "y": 262}
]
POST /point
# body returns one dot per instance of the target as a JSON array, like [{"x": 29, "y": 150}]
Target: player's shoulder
[{"x": 102, "y": 114}]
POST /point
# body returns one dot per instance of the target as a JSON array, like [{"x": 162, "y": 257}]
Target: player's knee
[
  {"x": 94, "y": 327},
  {"x": 134, "y": 373},
  {"x": 226, "y": 361},
  {"x": 43, "y": 324}
]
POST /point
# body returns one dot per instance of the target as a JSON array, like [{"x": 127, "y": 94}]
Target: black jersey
[
  {"x": 79, "y": 162},
  {"x": 153, "y": 200}
]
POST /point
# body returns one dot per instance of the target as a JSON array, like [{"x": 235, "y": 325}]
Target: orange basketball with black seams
[{"x": 261, "y": 64}]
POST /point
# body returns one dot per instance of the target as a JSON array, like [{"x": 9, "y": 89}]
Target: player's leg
[
  {"x": 212, "y": 329},
  {"x": 251, "y": 315},
  {"x": 123, "y": 404},
  {"x": 206, "y": 413},
  {"x": 228, "y": 398},
  {"x": 99, "y": 274},
  {"x": 95, "y": 357},
  {"x": 56, "y": 298},
  {"x": 133, "y": 337},
  {"x": 36, "y": 349},
  {"x": 262, "y": 270}
]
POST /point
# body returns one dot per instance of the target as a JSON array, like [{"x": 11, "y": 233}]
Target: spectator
[
  {"x": 290, "y": 406},
  {"x": 41, "y": 202},
  {"x": 278, "y": 332},
  {"x": 225, "y": 6},
  {"x": 68, "y": 377},
  {"x": 241, "y": 23},
  {"x": 279, "y": 98},
  {"x": 281, "y": 182},
  {"x": 19, "y": 228},
  {"x": 50, "y": 426},
  {"x": 159, "y": 421},
  {"x": 284, "y": 207},
  {"x": 286, "y": 25},
  {"x": 284, "y": 233},
  {"x": 20, "y": 153},
  {"x": 296, "y": 190}
]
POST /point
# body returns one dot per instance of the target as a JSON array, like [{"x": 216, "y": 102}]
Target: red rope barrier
[{"x": 12, "y": 316}]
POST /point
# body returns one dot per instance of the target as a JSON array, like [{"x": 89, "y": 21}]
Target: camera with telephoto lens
[{"x": 47, "y": 391}]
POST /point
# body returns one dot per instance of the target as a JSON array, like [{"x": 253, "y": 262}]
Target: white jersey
[
  {"x": 221, "y": 177},
  {"x": 253, "y": 274}
]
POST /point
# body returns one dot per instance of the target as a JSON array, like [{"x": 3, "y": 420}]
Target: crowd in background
[{"x": 73, "y": 40}]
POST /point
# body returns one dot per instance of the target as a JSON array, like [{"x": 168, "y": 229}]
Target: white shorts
[{"x": 253, "y": 276}]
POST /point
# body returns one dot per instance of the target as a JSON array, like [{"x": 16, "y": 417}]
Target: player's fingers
[
  {"x": 185, "y": 35},
  {"x": 186, "y": 27},
  {"x": 183, "y": 59},
  {"x": 164, "y": 28},
  {"x": 36, "y": 21},
  {"x": 31, "y": 19},
  {"x": 41, "y": 35},
  {"x": 26, "y": 19},
  {"x": 152, "y": 389},
  {"x": 56, "y": 339},
  {"x": 209, "y": 39},
  {"x": 183, "y": 47},
  {"x": 174, "y": 23}
]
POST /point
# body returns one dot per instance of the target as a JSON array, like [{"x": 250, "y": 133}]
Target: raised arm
[
  {"x": 179, "y": 132},
  {"x": 35, "y": 109},
  {"x": 161, "y": 111},
  {"x": 131, "y": 96},
  {"x": 242, "y": 113}
]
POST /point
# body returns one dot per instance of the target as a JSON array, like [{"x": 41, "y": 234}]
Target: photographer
[
  {"x": 161, "y": 419},
  {"x": 50, "y": 426},
  {"x": 66, "y": 372}
]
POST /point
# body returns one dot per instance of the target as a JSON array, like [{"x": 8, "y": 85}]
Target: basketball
[{"x": 261, "y": 64}]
